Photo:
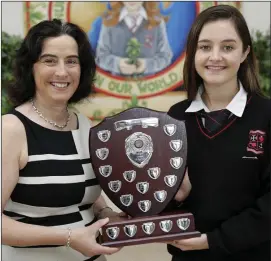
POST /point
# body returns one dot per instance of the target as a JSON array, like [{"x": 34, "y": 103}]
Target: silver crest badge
[
  {"x": 170, "y": 180},
  {"x": 144, "y": 205},
  {"x": 104, "y": 135},
  {"x": 160, "y": 195},
  {"x": 142, "y": 187},
  {"x": 176, "y": 162},
  {"x": 114, "y": 185},
  {"x": 170, "y": 129},
  {"x": 112, "y": 232},
  {"x": 148, "y": 227},
  {"x": 139, "y": 149},
  {"x": 183, "y": 223},
  {"x": 154, "y": 173},
  {"x": 126, "y": 200},
  {"x": 102, "y": 153},
  {"x": 130, "y": 230},
  {"x": 129, "y": 175},
  {"x": 175, "y": 145},
  {"x": 166, "y": 225},
  {"x": 105, "y": 170}
]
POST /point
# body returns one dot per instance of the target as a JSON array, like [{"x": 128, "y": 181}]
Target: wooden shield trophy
[{"x": 139, "y": 158}]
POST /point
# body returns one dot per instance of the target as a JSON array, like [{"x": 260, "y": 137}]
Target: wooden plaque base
[{"x": 158, "y": 234}]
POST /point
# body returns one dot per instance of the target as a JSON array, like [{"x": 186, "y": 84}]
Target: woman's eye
[
  {"x": 49, "y": 61},
  {"x": 72, "y": 62}
]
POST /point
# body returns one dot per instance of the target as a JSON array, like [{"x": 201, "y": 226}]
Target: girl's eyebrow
[{"x": 208, "y": 41}]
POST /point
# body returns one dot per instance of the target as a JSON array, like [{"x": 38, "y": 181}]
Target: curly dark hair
[{"x": 23, "y": 88}]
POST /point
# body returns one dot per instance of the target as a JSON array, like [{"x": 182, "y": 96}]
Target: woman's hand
[{"x": 83, "y": 240}]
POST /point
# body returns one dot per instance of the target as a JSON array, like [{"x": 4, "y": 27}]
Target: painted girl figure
[{"x": 138, "y": 20}]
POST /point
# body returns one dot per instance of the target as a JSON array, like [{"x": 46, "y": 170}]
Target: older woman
[{"x": 50, "y": 194}]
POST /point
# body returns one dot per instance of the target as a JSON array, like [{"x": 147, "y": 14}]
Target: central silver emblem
[
  {"x": 148, "y": 227},
  {"x": 130, "y": 230},
  {"x": 139, "y": 149},
  {"x": 144, "y": 205}
]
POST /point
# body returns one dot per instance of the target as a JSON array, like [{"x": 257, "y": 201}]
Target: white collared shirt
[
  {"x": 133, "y": 22},
  {"x": 236, "y": 106}
]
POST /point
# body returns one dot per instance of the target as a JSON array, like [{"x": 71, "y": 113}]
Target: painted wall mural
[{"x": 139, "y": 57}]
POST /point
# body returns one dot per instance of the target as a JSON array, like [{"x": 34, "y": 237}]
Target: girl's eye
[
  {"x": 228, "y": 48},
  {"x": 205, "y": 47}
]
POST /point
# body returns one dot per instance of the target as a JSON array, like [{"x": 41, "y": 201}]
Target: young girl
[
  {"x": 228, "y": 126},
  {"x": 139, "y": 20}
]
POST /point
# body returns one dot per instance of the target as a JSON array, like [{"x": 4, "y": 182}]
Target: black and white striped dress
[{"x": 57, "y": 188}]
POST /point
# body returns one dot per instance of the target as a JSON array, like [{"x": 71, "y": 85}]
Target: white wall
[{"x": 257, "y": 15}]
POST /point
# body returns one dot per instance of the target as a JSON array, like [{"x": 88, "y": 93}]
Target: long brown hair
[
  {"x": 247, "y": 73},
  {"x": 111, "y": 17}
]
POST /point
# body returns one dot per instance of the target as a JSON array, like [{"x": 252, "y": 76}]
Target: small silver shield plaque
[
  {"x": 144, "y": 205},
  {"x": 183, "y": 223},
  {"x": 112, "y": 232},
  {"x": 102, "y": 153},
  {"x": 129, "y": 175},
  {"x": 105, "y": 170},
  {"x": 166, "y": 225},
  {"x": 176, "y": 162},
  {"x": 139, "y": 149},
  {"x": 114, "y": 185},
  {"x": 142, "y": 187},
  {"x": 170, "y": 180},
  {"x": 175, "y": 145},
  {"x": 160, "y": 196},
  {"x": 154, "y": 173},
  {"x": 104, "y": 135},
  {"x": 130, "y": 230},
  {"x": 148, "y": 227},
  {"x": 170, "y": 129},
  {"x": 126, "y": 200}
]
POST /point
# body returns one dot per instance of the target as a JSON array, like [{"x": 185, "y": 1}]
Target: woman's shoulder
[
  {"x": 83, "y": 120},
  {"x": 12, "y": 128}
]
